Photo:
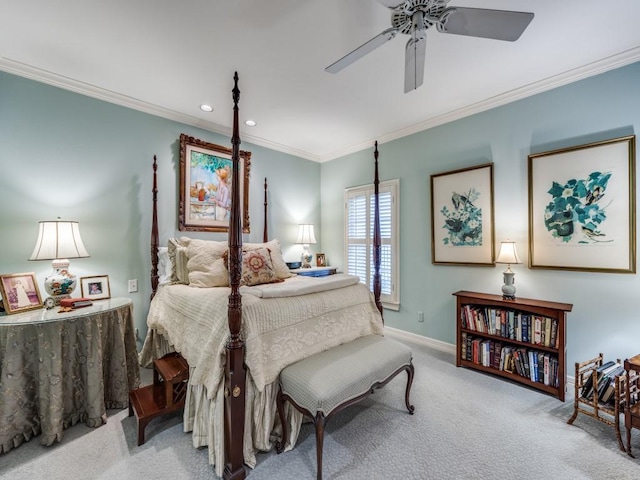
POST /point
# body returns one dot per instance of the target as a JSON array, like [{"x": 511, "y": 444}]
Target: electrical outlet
[
  {"x": 421, "y": 316},
  {"x": 133, "y": 285}
]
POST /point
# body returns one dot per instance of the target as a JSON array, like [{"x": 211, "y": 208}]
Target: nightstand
[
  {"x": 58, "y": 368},
  {"x": 315, "y": 271}
]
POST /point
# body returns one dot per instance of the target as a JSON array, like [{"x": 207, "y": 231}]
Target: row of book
[
  {"x": 605, "y": 382},
  {"x": 537, "y": 366},
  {"x": 511, "y": 324}
]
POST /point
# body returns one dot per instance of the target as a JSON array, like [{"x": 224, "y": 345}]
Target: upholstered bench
[{"x": 327, "y": 382}]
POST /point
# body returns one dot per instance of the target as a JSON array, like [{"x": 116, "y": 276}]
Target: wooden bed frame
[{"x": 235, "y": 370}]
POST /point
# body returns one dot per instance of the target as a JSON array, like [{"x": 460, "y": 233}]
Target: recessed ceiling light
[
  {"x": 206, "y": 108},
  {"x": 250, "y": 123}
]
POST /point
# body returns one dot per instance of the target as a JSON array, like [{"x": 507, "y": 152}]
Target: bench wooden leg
[
  {"x": 319, "y": 422},
  {"x": 410, "y": 372}
]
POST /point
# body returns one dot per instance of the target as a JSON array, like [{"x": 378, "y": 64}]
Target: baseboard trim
[
  {"x": 420, "y": 339},
  {"x": 450, "y": 348}
]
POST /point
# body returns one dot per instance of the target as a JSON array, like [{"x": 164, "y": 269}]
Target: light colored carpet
[{"x": 466, "y": 426}]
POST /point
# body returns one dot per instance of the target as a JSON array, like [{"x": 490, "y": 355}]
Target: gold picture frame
[
  {"x": 96, "y": 287},
  {"x": 582, "y": 207},
  {"x": 205, "y": 186},
  {"x": 462, "y": 226},
  {"x": 20, "y": 292},
  {"x": 321, "y": 260}
]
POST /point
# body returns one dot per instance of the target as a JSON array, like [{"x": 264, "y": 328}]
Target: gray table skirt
[{"x": 54, "y": 375}]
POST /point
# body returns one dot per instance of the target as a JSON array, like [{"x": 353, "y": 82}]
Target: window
[{"x": 359, "y": 206}]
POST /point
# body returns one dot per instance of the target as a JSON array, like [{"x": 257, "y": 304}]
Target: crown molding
[
  {"x": 595, "y": 68},
  {"x": 43, "y": 76}
]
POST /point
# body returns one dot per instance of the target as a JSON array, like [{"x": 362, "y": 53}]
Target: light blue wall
[
  {"x": 66, "y": 155},
  {"x": 605, "y": 316},
  {"x": 75, "y": 157}
]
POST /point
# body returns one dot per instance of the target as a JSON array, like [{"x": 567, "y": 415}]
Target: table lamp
[
  {"x": 508, "y": 255},
  {"x": 59, "y": 240},
  {"x": 306, "y": 237}
]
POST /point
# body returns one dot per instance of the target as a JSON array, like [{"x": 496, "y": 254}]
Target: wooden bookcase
[{"x": 495, "y": 336}]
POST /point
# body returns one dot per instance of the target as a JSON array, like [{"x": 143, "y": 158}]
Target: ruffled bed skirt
[{"x": 204, "y": 413}]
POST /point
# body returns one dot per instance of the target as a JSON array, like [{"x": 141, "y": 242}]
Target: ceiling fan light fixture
[
  {"x": 206, "y": 108},
  {"x": 250, "y": 123}
]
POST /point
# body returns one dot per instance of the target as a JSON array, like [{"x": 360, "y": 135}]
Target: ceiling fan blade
[
  {"x": 414, "y": 56},
  {"x": 480, "y": 22},
  {"x": 362, "y": 50}
]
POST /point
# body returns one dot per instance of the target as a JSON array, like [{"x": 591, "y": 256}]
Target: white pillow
[
  {"x": 279, "y": 265},
  {"x": 164, "y": 266},
  {"x": 206, "y": 263},
  {"x": 177, "y": 250}
]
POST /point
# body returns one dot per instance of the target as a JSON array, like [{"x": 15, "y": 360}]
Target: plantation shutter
[{"x": 360, "y": 204}]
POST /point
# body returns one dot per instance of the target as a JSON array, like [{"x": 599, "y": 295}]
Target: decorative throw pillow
[
  {"x": 279, "y": 265},
  {"x": 206, "y": 264},
  {"x": 177, "y": 251},
  {"x": 257, "y": 268},
  {"x": 164, "y": 266}
]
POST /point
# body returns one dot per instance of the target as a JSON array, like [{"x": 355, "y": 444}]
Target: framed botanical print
[
  {"x": 20, "y": 292},
  {"x": 205, "y": 186},
  {"x": 462, "y": 216},
  {"x": 582, "y": 207}
]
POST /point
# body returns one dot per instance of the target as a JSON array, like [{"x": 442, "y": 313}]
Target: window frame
[{"x": 391, "y": 300}]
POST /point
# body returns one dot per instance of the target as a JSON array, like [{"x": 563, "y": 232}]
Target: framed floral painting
[
  {"x": 582, "y": 207},
  {"x": 206, "y": 174},
  {"x": 462, "y": 216}
]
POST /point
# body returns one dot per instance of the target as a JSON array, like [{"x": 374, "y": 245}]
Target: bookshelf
[{"x": 523, "y": 340}]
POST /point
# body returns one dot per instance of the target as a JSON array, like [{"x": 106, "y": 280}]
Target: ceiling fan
[{"x": 414, "y": 17}]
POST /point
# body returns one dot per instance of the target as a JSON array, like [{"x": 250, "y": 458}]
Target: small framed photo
[
  {"x": 95, "y": 288},
  {"x": 321, "y": 261},
  {"x": 20, "y": 292}
]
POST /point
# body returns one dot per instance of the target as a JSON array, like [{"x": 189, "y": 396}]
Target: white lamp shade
[
  {"x": 508, "y": 253},
  {"x": 305, "y": 234},
  {"x": 58, "y": 239}
]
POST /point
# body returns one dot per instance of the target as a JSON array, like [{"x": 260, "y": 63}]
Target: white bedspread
[
  {"x": 279, "y": 328},
  {"x": 300, "y": 285}
]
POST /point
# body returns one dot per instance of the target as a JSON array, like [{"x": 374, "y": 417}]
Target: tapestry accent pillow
[
  {"x": 279, "y": 265},
  {"x": 257, "y": 268}
]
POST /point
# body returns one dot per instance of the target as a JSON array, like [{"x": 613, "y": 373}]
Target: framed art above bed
[{"x": 205, "y": 186}]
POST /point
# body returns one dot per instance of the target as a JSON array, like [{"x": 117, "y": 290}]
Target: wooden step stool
[{"x": 166, "y": 394}]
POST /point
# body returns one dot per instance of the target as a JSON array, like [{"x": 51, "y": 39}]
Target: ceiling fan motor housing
[{"x": 402, "y": 17}]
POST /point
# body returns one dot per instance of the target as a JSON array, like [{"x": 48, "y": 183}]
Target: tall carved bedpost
[
  {"x": 265, "y": 233},
  {"x": 377, "y": 287},
  {"x": 154, "y": 232},
  {"x": 235, "y": 372}
]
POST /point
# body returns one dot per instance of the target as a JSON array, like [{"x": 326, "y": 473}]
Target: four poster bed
[{"x": 239, "y": 333}]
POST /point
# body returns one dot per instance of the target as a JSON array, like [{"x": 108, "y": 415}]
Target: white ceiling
[{"x": 167, "y": 57}]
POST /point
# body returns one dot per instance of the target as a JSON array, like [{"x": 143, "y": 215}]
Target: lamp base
[
  {"x": 306, "y": 257},
  {"x": 508, "y": 289},
  {"x": 61, "y": 283}
]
